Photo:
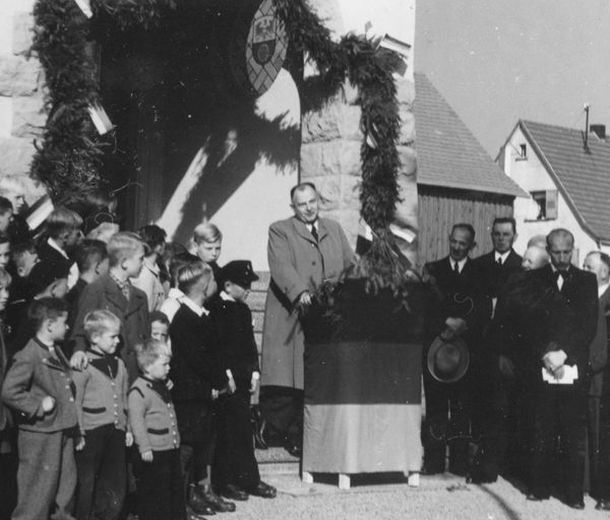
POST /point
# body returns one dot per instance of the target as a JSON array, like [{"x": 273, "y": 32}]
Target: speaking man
[{"x": 303, "y": 251}]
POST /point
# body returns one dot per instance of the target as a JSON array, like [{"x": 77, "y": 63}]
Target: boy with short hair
[
  {"x": 235, "y": 468},
  {"x": 39, "y": 387},
  {"x": 160, "y": 484},
  {"x": 92, "y": 261},
  {"x": 101, "y": 403},
  {"x": 6, "y": 215},
  {"x": 159, "y": 326},
  {"x": 63, "y": 231},
  {"x": 5, "y": 250},
  {"x": 149, "y": 279},
  {"x": 192, "y": 335},
  {"x": 113, "y": 292}
]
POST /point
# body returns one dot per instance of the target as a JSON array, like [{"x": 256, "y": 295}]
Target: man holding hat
[
  {"x": 235, "y": 468},
  {"x": 452, "y": 358}
]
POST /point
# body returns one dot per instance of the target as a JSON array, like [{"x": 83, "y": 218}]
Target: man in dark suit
[
  {"x": 494, "y": 269},
  {"x": 598, "y": 263},
  {"x": 499, "y": 264},
  {"x": 463, "y": 313},
  {"x": 558, "y": 371}
]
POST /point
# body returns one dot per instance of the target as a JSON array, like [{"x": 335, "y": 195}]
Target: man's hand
[
  {"x": 147, "y": 456},
  {"x": 554, "y": 359},
  {"x": 79, "y": 360},
  {"x": 506, "y": 366},
  {"x": 231, "y": 386},
  {"x": 80, "y": 444},
  {"x": 454, "y": 327},
  {"x": 129, "y": 439},
  {"x": 254, "y": 383},
  {"x": 558, "y": 373},
  {"x": 48, "y": 403},
  {"x": 304, "y": 299}
]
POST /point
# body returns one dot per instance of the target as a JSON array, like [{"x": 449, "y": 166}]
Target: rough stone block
[
  {"x": 18, "y": 76},
  {"x": 16, "y": 155},
  {"x": 350, "y": 192},
  {"x": 6, "y": 116},
  {"x": 408, "y": 160},
  {"x": 29, "y": 116},
  {"x": 405, "y": 90},
  {"x": 348, "y": 121},
  {"x": 407, "y": 126},
  {"x": 311, "y": 160},
  {"x": 322, "y": 125},
  {"x": 23, "y": 32},
  {"x": 329, "y": 189}
]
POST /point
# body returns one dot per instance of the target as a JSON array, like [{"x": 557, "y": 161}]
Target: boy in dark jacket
[
  {"x": 235, "y": 468},
  {"x": 113, "y": 292},
  {"x": 192, "y": 337},
  {"x": 39, "y": 387}
]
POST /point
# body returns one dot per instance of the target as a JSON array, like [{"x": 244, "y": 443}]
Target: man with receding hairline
[
  {"x": 559, "y": 370},
  {"x": 303, "y": 251}
]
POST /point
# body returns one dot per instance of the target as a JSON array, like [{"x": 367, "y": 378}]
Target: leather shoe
[
  {"x": 191, "y": 515},
  {"x": 263, "y": 490},
  {"x": 603, "y": 505},
  {"x": 197, "y": 502},
  {"x": 532, "y": 497},
  {"x": 578, "y": 504},
  {"x": 218, "y": 504},
  {"x": 234, "y": 493}
]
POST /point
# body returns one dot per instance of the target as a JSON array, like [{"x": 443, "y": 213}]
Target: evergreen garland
[{"x": 69, "y": 155}]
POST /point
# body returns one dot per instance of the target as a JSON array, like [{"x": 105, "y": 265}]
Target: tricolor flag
[{"x": 362, "y": 407}]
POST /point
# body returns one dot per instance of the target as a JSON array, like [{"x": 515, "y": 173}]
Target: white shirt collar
[
  {"x": 226, "y": 297},
  {"x": 461, "y": 263},
  {"x": 197, "y": 309},
  {"x": 175, "y": 293},
  {"x": 503, "y": 256},
  {"x": 55, "y": 246},
  {"x": 601, "y": 289}
]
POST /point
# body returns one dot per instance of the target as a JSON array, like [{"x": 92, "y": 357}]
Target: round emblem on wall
[{"x": 265, "y": 47}]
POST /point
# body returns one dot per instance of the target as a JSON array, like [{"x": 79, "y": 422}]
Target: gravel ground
[{"x": 444, "y": 497}]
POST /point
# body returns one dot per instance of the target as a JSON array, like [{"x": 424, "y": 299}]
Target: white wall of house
[{"x": 531, "y": 175}]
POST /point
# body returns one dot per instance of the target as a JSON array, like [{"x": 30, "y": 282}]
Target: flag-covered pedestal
[{"x": 363, "y": 368}]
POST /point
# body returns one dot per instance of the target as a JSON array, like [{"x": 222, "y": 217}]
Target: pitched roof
[
  {"x": 448, "y": 155},
  {"x": 583, "y": 176}
]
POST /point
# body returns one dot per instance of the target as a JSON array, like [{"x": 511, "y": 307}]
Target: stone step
[
  {"x": 258, "y": 318},
  {"x": 278, "y": 468}
]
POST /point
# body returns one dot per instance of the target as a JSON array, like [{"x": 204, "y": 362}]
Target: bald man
[{"x": 534, "y": 257}]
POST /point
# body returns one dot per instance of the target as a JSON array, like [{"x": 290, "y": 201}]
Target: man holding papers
[{"x": 560, "y": 383}]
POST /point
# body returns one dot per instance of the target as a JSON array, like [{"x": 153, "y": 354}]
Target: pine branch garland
[{"x": 69, "y": 155}]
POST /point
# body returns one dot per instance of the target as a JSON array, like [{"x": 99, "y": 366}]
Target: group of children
[{"x": 126, "y": 373}]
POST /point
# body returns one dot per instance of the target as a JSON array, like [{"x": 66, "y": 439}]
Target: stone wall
[
  {"x": 331, "y": 137},
  {"x": 21, "y": 93},
  {"x": 330, "y": 158}
]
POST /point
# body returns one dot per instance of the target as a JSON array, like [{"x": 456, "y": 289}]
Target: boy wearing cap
[{"x": 235, "y": 470}]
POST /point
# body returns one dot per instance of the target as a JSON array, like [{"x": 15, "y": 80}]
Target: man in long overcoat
[{"x": 303, "y": 251}]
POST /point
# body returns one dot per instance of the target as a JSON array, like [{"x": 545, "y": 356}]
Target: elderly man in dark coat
[
  {"x": 304, "y": 251},
  {"x": 559, "y": 371}
]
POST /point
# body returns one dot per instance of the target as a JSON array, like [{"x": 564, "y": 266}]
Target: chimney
[{"x": 598, "y": 130}]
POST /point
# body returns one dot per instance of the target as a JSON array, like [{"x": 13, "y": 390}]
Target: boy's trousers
[
  {"x": 102, "y": 474},
  {"x": 46, "y": 478}
]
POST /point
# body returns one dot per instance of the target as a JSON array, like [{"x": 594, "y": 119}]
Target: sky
[{"x": 498, "y": 61}]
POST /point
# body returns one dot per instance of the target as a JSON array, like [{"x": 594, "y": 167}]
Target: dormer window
[{"x": 523, "y": 151}]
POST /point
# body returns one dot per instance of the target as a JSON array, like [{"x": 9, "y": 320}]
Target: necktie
[
  {"x": 499, "y": 261},
  {"x": 456, "y": 268},
  {"x": 314, "y": 232}
]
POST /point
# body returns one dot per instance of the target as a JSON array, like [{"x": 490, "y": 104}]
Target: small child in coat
[
  {"x": 40, "y": 388},
  {"x": 160, "y": 484},
  {"x": 235, "y": 467},
  {"x": 101, "y": 401}
]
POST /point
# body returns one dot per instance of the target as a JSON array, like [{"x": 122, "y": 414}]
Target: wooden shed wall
[{"x": 440, "y": 208}]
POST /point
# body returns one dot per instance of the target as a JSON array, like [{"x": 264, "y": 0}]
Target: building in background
[
  {"x": 457, "y": 180},
  {"x": 566, "y": 173}
]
